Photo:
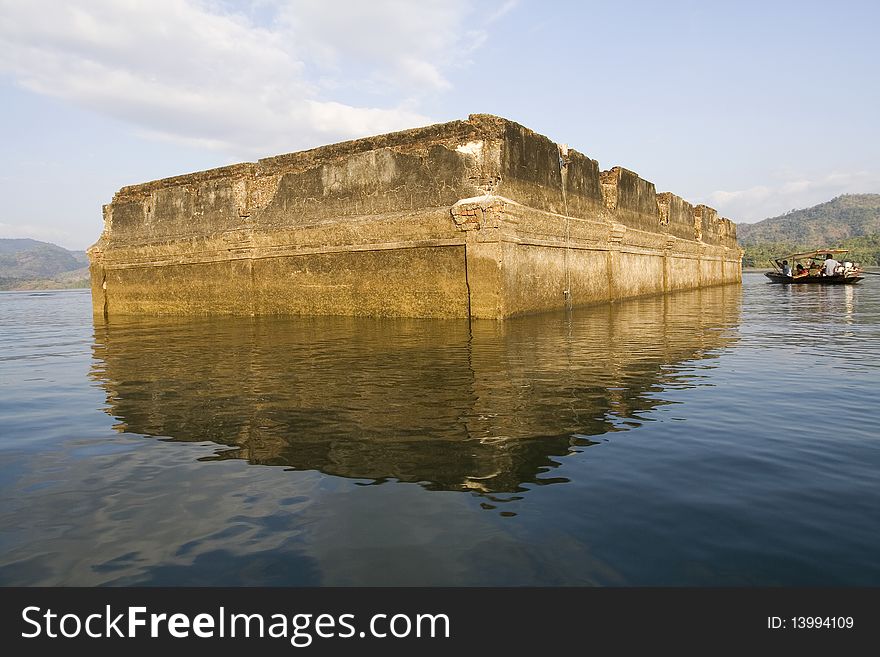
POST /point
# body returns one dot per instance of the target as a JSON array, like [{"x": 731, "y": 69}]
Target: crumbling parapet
[{"x": 676, "y": 215}]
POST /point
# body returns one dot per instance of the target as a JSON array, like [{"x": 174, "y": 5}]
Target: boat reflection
[{"x": 489, "y": 407}]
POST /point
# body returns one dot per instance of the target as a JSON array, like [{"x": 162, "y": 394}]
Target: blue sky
[{"x": 754, "y": 108}]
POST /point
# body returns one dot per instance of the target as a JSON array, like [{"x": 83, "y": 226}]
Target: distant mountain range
[
  {"x": 27, "y": 264},
  {"x": 851, "y": 221}
]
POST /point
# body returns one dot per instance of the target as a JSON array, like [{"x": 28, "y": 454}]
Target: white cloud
[
  {"x": 398, "y": 46},
  {"x": 503, "y": 10},
  {"x": 214, "y": 75},
  {"x": 762, "y": 201}
]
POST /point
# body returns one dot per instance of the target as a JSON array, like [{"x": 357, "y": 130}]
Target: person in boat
[
  {"x": 831, "y": 265},
  {"x": 800, "y": 270},
  {"x": 786, "y": 268}
]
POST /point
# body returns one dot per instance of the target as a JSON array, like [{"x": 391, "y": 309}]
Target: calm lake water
[{"x": 727, "y": 436}]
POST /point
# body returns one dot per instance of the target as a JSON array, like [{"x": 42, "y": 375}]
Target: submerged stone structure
[{"x": 481, "y": 218}]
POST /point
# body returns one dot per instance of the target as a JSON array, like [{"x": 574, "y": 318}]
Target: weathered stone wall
[
  {"x": 676, "y": 215},
  {"x": 632, "y": 200},
  {"x": 480, "y": 218}
]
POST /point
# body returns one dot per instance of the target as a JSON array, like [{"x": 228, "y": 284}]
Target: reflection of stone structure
[
  {"x": 485, "y": 407},
  {"x": 480, "y": 218}
]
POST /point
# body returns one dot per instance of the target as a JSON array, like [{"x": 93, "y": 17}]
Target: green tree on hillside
[{"x": 851, "y": 221}]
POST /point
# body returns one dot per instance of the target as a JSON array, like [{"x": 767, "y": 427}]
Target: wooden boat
[{"x": 809, "y": 268}]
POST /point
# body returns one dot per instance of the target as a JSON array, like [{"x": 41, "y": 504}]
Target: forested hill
[
  {"x": 29, "y": 264},
  {"x": 850, "y": 221}
]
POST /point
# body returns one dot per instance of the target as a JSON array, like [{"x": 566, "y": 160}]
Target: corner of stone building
[{"x": 480, "y": 219}]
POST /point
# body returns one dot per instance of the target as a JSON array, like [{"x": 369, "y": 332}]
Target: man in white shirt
[{"x": 830, "y": 265}]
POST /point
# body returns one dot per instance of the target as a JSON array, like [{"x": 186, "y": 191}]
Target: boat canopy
[{"x": 813, "y": 254}]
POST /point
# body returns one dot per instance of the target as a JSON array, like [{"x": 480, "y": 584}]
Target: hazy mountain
[
  {"x": 850, "y": 215},
  {"x": 31, "y": 264}
]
